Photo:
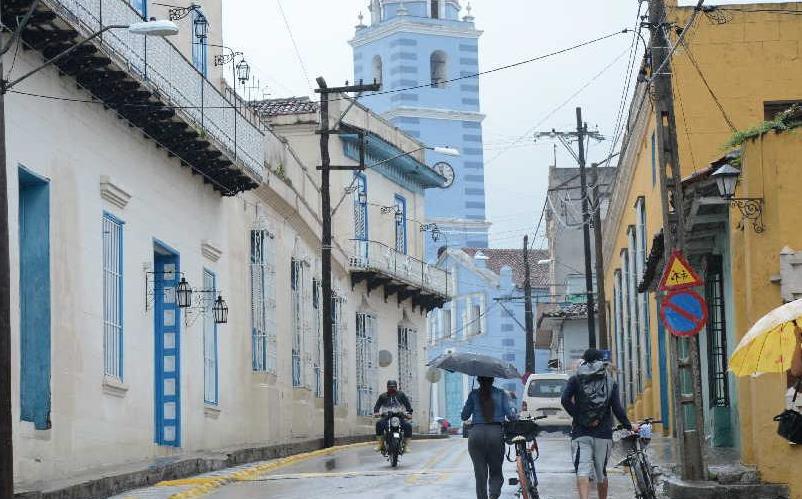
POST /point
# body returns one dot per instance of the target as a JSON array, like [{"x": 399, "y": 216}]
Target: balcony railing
[
  {"x": 373, "y": 256},
  {"x": 167, "y": 72}
]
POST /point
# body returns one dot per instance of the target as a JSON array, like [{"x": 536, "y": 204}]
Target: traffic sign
[
  {"x": 684, "y": 312},
  {"x": 679, "y": 274}
]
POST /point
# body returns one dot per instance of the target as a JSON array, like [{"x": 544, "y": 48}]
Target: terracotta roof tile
[
  {"x": 286, "y": 106},
  {"x": 513, "y": 258}
]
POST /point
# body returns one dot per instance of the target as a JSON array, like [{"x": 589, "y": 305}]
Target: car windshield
[{"x": 547, "y": 388}]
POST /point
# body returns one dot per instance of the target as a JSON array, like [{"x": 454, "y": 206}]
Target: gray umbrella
[{"x": 474, "y": 364}]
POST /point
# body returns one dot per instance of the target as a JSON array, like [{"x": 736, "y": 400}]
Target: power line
[
  {"x": 295, "y": 45},
  {"x": 554, "y": 111},
  {"x": 713, "y": 95},
  {"x": 474, "y": 75}
]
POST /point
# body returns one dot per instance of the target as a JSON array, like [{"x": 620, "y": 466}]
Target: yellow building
[{"x": 738, "y": 66}]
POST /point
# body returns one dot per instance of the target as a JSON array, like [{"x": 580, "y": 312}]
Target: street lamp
[
  {"x": 183, "y": 294},
  {"x": 220, "y": 310},
  {"x": 243, "y": 71},
  {"x": 726, "y": 179}
]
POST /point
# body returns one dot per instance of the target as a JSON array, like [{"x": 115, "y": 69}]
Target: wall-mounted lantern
[
  {"x": 220, "y": 310},
  {"x": 751, "y": 209},
  {"x": 243, "y": 71},
  {"x": 183, "y": 294}
]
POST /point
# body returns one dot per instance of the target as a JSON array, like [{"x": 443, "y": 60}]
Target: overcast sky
[{"x": 517, "y": 102}]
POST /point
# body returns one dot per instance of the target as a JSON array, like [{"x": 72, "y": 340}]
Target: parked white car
[{"x": 542, "y": 397}]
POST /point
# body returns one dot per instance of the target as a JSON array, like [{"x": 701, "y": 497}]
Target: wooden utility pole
[
  {"x": 529, "y": 319},
  {"x": 581, "y": 133},
  {"x": 6, "y": 433},
  {"x": 601, "y": 294},
  {"x": 684, "y": 352},
  {"x": 325, "y": 250}
]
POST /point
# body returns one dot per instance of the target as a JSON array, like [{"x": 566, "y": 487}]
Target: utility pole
[
  {"x": 581, "y": 133},
  {"x": 529, "y": 319},
  {"x": 6, "y": 433},
  {"x": 684, "y": 352},
  {"x": 601, "y": 294},
  {"x": 325, "y": 250}
]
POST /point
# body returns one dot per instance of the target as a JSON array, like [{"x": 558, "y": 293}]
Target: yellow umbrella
[{"x": 769, "y": 346}]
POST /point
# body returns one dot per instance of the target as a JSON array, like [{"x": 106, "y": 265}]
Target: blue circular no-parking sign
[{"x": 684, "y": 312}]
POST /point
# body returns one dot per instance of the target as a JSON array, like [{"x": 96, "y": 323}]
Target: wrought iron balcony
[
  {"x": 399, "y": 274},
  {"x": 150, "y": 83}
]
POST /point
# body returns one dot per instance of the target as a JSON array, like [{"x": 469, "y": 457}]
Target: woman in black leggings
[{"x": 489, "y": 407}]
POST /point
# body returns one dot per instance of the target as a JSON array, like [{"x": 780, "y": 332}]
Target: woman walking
[{"x": 488, "y": 406}]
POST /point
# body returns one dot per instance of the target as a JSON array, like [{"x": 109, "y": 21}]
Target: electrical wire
[
  {"x": 670, "y": 55},
  {"x": 333, "y": 99},
  {"x": 295, "y": 45},
  {"x": 554, "y": 111},
  {"x": 713, "y": 95}
]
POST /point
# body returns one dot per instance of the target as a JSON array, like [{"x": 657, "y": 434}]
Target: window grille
[
  {"x": 210, "y": 371},
  {"x": 317, "y": 331},
  {"x": 200, "y": 45},
  {"x": 619, "y": 332},
  {"x": 338, "y": 328},
  {"x": 298, "y": 340},
  {"x": 263, "y": 302},
  {"x": 400, "y": 224},
  {"x": 408, "y": 362},
  {"x": 367, "y": 353},
  {"x": 112, "y": 297},
  {"x": 634, "y": 313},
  {"x": 716, "y": 333},
  {"x": 642, "y": 298},
  {"x": 626, "y": 327}
]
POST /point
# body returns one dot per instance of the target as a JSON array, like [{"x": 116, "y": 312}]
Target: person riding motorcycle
[{"x": 392, "y": 397}]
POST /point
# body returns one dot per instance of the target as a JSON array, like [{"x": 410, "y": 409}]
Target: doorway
[{"x": 167, "y": 339}]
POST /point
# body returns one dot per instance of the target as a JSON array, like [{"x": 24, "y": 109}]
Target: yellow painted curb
[{"x": 204, "y": 485}]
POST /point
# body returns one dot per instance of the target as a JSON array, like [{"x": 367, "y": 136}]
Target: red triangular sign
[{"x": 678, "y": 274}]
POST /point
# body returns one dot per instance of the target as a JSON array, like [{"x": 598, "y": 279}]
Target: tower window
[
  {"x": 439, "y": 69},
  {"x": 377, "y": 69},
  {"x": 435, "y": 9}
]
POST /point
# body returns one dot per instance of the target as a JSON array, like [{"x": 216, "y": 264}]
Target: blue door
[
  {"x": 34, "y": 290},
  {"x": 168, "y": 347}
]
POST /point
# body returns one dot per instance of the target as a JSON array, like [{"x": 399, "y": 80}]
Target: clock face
[{"x": 445, "y": 170}]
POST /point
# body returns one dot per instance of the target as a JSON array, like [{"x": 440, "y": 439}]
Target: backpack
[{"x": 594, "y": 393}]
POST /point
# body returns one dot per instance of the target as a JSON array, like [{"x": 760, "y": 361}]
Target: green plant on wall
[{"x": 786, "y": 120}]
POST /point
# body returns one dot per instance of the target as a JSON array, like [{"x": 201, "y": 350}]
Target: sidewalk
[{"x": 728, "y": 477}]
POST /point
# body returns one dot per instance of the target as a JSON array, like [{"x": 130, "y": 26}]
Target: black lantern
[
  {"x": 399, "y": 217},
  {"x": 220, "y": 310},
  {"x": 201, "y": 26},
  {"x": 243, "y": 71},
  {"x": 183, "y": 294},
  {"x": 726, "y": 180},
  {"x": 363, "y": 197}
]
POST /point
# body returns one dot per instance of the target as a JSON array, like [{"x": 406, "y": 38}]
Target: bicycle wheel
[
  {"x": 523, "y": 480},
  {"x": 649, "y": 491},
  {"x": 531, "y": 474},
  {"x": 643, "y": 478}
]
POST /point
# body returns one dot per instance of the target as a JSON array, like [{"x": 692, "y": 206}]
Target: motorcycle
[{"x": 393, "y": 433}]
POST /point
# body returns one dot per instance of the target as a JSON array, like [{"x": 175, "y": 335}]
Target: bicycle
[
  {"x": 516, "y": 435},
  {"x": 641, "y": 470}
]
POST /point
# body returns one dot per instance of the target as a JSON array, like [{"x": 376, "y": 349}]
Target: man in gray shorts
[{"x": 591, "y": 398}]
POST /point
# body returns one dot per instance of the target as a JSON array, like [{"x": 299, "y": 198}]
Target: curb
[{"x": 209, "y": 484}]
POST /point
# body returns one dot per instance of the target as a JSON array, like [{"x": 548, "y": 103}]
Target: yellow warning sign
[{"x": 679, "y": 274}]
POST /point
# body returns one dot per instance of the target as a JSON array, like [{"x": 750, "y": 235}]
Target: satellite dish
[
  {"x": 433, "y": 375},
  {"x": 385, "y": 358}
]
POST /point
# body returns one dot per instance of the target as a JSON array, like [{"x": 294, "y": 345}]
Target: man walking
[{"x": 591, "y": 398}]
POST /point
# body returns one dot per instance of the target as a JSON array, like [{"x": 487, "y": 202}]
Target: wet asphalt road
[{"x": 434, "y": 469}]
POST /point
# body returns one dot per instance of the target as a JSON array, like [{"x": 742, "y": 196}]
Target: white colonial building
[{"x": 135, "y": 179}]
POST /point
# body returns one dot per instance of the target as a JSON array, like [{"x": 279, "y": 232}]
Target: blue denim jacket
[{"x": 501, "y": 403}]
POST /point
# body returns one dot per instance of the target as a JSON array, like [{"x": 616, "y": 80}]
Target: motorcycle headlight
[{"x": 395, "y": 422}]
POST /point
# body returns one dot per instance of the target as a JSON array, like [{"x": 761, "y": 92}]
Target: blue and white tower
[{"x": 424, "y": 44}]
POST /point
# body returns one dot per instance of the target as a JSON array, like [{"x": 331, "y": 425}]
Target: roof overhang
[{"x": 377, "y": 150}]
